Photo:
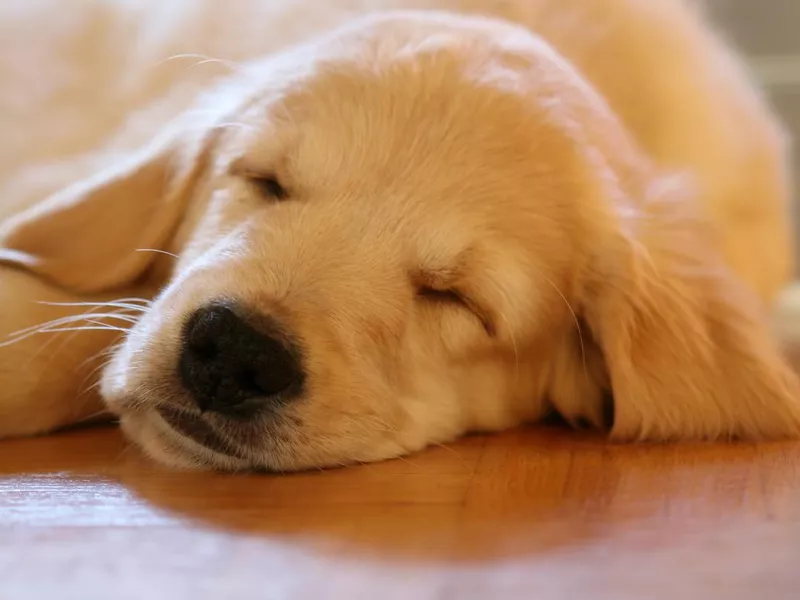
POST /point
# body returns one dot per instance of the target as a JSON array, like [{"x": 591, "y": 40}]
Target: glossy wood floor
[{"x": 536, "y": 514}]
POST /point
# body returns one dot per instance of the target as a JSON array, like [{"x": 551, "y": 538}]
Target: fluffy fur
[{"x": 495, "y": 210}]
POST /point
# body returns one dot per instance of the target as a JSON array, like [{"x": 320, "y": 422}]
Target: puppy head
[{"x": 417, "y": 227}]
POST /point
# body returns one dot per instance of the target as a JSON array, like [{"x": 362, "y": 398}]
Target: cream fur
[{"x": 597, "y": 180}]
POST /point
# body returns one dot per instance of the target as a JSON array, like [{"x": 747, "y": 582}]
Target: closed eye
[
  {"x": 457, "y": 299},
  {"x": 434, "y": 295},
  {"x": 269, "y": 186}
]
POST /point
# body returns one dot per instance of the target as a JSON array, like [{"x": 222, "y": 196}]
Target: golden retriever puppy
[{"x": 420, "y": 223}]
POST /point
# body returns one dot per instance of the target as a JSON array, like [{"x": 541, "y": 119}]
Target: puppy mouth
[{"x": 199, "y": 431}]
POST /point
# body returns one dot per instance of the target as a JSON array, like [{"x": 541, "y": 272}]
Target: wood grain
[{"x": 541, "y": 513}]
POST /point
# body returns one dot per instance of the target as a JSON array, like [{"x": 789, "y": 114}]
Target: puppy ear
[
  {"x": 688, "y": 349},
  {"x": 85, "y": 238}
]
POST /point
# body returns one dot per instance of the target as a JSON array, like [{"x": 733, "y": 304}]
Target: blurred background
[{"x": 768, "y": 33}]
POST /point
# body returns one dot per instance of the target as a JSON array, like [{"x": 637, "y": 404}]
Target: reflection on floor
[{"x": 543, "y": 514}]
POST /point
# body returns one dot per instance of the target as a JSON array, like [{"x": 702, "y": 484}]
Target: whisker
[
  {"x": 98, "y": 355},
  {"x": 47, "y": 343},
  {"x": 118, "y": 316},
  {"x": 105, "y": 356},
  {"x": 91, "y": 312},
  {"x": 203, "y": 59},
  {"x": 126, "y": 449},
  {"x": 16, "y": 340},
  {"x": 158, "y": 251},
  {"x": 577, "y": 325},
  {"x": 87, "y": 328},
  {"x": 95, "y": 385},
  {"x": 129, "y": 307},
  {"x": 404, "y": 459},
  {"x": 120, "y": 303},
  {"x": 106, "y": 325},
  {"x": 103, "y": 412},
  {"x": 513, "y": 346},
  {"x": 513, "y": 337},
  {"x": 65, "y": 321},
  {"x": 234, "y": 125},
  {"x": 452, "y": 451}
]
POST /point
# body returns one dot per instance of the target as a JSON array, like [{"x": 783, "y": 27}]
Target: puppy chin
[{"x": 166, "y": 446}]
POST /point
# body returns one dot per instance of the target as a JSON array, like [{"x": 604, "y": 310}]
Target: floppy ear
[
  {"x": 85, "y": 238},
  {"x": 688, "y": 348}
]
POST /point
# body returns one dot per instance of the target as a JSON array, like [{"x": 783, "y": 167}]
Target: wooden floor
[{"x": 536, "y": 514}]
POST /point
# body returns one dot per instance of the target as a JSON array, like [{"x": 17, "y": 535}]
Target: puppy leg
[{"x": 47, "y": 378}]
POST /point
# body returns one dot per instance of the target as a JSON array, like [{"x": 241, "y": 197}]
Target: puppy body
[{"x": 595, "y": 183}]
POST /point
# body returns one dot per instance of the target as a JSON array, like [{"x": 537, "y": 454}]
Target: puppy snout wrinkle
[{"x": 232, "y": 368}]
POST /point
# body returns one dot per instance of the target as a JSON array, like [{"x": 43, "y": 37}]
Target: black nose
[{"x": 230, "y": 367}]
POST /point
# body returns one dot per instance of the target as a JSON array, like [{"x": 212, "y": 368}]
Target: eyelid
[
  {"x": 454, "y": 295},
  {"x": 444, "y": 294},
  {"x": 269, "y": 185},
  {"x": 269, "y": 182},
  {"x": 483, "y": 315},
  {"x": 240, "y": 168},
  {"x": 245, "y": 170}
]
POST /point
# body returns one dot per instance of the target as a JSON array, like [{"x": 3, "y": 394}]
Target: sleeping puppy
[{"x": 415, "y": 225}]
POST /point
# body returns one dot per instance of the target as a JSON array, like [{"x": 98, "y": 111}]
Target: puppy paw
[{"x": 578, "y": 388}]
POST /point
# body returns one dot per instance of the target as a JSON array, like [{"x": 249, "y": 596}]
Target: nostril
[
  {"x": 247, "y": 381},
  {"x": 276, "y": 377},
  {"x": 266, "y": 378}
]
